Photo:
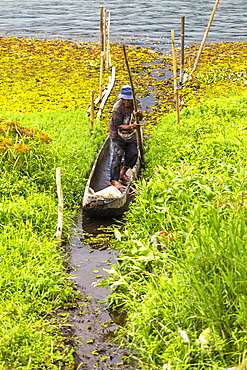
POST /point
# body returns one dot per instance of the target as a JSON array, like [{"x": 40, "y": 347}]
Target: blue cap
[{"x": 126, "y": 93}]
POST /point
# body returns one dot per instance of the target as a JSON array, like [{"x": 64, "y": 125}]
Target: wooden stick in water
[
  {"x": 182, "y": 50},
  {"x": 101, "y": 29},
  {"x": 205, "y": 35},
  {"x": 108, "y": 51},
  {"x": 138, "y": 130},
  {"x": 102, "y": 51},
  {"x": 105, "y": 34},
  {"x": 101, "y": 74}
]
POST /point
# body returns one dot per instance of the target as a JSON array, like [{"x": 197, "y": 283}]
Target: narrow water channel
[{"x": 93, "y": 325}]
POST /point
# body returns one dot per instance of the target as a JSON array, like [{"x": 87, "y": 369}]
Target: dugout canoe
[{"x": 102, "y": 200}]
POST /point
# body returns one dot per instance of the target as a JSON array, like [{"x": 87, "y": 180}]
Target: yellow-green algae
[{"x": 49, "y": 75}]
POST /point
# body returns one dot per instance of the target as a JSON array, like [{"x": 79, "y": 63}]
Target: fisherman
[{"x": 123, "y": 137}]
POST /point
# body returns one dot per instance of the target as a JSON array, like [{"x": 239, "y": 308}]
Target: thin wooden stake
[
  {"x": 92, "y": 110},
  {"x": 138, "y": 129},
  {"x": 108, "y": 51},
  {"x": 176, "y": 98},
  {"x": 101, "y": 29},
  {"x": 60, "y": 206},
  {"x": 101, "y": 74},
  {"x": 105, "y": 34},
  {"x": 205, "y": 35},
  {"x": 182, "y": 50}
]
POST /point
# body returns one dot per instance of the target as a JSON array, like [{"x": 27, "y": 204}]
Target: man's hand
[
  {"x": 138, "y": 114},
  {"x": 135, "y": 125}
]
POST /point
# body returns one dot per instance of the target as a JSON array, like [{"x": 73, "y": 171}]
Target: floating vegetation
[{"x": 193, "y": 175}]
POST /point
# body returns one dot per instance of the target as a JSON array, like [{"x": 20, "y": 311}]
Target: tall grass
[
  {"x": 192, "y": 279},
  {"x": 34, "y": 283}
]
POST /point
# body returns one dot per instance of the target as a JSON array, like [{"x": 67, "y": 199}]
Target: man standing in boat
[{"x": 123, "y": 137}]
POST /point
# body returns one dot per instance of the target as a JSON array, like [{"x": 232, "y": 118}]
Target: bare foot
[
  {"x": 117, "y": 184},
  {"x": 124, "y": 177}
]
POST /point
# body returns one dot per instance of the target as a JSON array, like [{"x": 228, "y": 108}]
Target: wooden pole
[
  {"x": 92, "y": 110},
  {"x": 101, "y": 29},
  {"x": 176, "y": 99},
  {"x": 138, "y": 129},
  {"x": 102, "y": 38},
  {"x": 108, "y": 51},
  {"x": 60, "y": 206},
  {"x": 205, "y": 35},
  {"x": 182, "y": 50},
  {"x": 105, "y": 34},
  {"x": 101, "y": 74}
]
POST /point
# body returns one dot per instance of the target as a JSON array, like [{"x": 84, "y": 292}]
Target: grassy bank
[
  {"x": 185, "y": 290},
  {"x": 34, "y": 277}
]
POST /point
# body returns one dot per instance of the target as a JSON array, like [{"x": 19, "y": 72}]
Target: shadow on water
[{"x": 93, "y": 324}]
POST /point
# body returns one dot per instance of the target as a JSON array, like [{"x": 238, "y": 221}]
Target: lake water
[{"x": 136, "y": 21}]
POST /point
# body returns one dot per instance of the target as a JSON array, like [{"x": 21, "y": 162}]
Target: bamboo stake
[
  {"x": 105, "y": 34},
  {"x": 108, "y": 52},
  {"x": 101, "y": 74},
  {"x": 176, "y": 99},
  {"x": 182, "y": 50},
  {"x": 101, "y": 28},
  {"x": 138, "y": 129},
  {"x": 60, "y": 206},
  {"x": 92, "y": 110},
  {"x": 205, "y": 35},
  {"x": 96, "y": 101}
]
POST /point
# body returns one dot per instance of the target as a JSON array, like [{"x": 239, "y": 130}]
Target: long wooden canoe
[{"x": 102, "y": 200}]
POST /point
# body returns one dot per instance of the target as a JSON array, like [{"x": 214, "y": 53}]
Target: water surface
[{"x": 149, "y": 21}]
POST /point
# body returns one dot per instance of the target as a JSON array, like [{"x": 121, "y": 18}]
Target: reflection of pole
[
  {"x": 205, "y": 35},
  {"x": 175, "y": 76},
  {"x": 138, "y": 129},
  {"x": 182, "y": 50}
]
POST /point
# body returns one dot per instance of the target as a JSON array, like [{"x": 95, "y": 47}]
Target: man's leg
[
  {"x": 116, "y": 154},
  {"x": 131, "y": 154}
]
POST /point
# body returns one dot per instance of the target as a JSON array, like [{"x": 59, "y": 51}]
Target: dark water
[
  {"x": 93, "y": 323},
  {"x": 147, "y": 21}
]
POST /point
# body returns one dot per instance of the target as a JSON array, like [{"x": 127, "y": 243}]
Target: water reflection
[{"x": 153, "y": 19}]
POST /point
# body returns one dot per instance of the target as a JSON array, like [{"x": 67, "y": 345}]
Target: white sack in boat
[{"x": 109, "y": 192}]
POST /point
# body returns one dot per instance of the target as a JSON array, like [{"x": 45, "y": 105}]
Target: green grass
[
  {"x": 73, "y": 148},
  {"x": 34, "y": 281},
  {"x": 193, "y": 188}
]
